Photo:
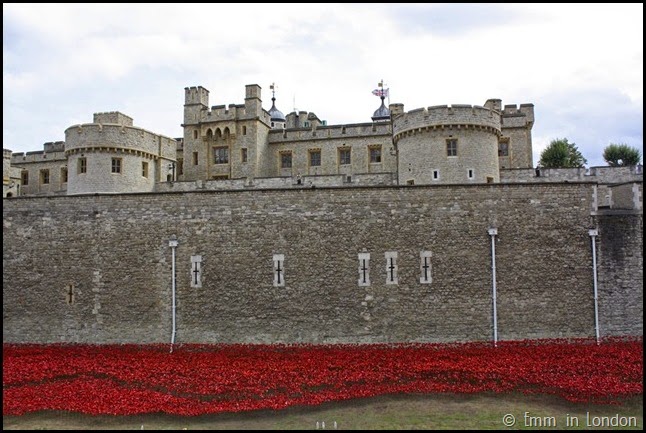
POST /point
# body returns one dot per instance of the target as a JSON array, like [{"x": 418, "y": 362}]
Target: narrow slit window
[
  {"x": 391, "y": 267},
  {"x": 196, "y": 271},
  {"x": 425, "y": 267},
  {"x": 364, "y": 269},
  {"x": 279, "y": 270}
]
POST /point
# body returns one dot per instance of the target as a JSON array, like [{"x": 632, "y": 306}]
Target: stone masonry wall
[
  {"x": 98, "y": 268},
  {"x": 621, "y": 273}
]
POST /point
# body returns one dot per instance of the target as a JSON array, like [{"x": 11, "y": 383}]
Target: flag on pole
[{"x": 380, "y": 92}]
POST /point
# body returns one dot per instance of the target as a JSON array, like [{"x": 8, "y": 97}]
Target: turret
[
  {"x": 252, "y": 101},
  {"x": 196, "y": 99}
]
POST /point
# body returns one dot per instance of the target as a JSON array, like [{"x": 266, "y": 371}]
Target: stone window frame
[
  {"x": 372, "y": 155},
  {"x": 221, "y": 155},
  {"x": 310, "y": 153},
  {"x": 435, "y": 174},
  {"x": 180, "y": 166},
  {"x": 244, "y": 155},
  {"x": 196, "y": 272},
  {"x": 196, "y": 158},
  {"x": 451, "y": 147},
  {"x": 471, "y": 174},
  {"x": 24, "y": 177},
  {"x": 116, "y": 166},
  {"x": 345, "y": 150},
  {"x": 44, "y": 176},
  {"x": 64, "y": 174},
  {"x": 364, "y": 260},
  {"x": 82, "y": 165},
  {"x": 391, "y": 260},
  {"x": 144, "y": 168},
  {"x": 279, "y": 280},
  {"x": 283, "y": 159},
  {"x": 503, "y": 147},
  {"x": 428, "y": 272}
]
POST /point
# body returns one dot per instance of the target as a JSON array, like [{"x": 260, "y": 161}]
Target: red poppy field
[{"x": 207, "y": 379}]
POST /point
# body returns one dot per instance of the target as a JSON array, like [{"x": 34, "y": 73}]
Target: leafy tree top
[
  {"x": 617, "y": 155},
  {"x": 561, "y": 154}
]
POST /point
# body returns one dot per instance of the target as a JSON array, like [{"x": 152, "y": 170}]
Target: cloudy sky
[{"x": 580, "y": 65}]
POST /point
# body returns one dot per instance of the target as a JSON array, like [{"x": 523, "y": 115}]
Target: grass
[{"x": 400, "y": 412}]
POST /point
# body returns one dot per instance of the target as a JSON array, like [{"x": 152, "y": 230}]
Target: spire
[
  {"x": 382, "y": 113},
  {"x": 275, "y": 114}
]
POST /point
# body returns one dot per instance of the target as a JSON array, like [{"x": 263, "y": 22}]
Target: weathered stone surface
[{"x": 113, "y": 251}]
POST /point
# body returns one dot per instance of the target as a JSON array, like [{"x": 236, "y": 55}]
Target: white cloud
[{"x": 64, "y": 62}]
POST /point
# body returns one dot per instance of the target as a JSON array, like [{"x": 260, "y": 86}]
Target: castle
[
  {"x": 255, "y": 226},
  {"x": 245, "y": 143}
]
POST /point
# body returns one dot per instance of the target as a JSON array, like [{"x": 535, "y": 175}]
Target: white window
[
  {"x": 391, "y": 267},
  {"x": 364, "y": 269},
  {"x": 196, "y": 271},
  {"x": 279, "y": 270},
  {"x": 425, "y": 267}
]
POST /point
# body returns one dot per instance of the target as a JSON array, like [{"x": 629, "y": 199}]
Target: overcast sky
[{"x": 580, "y": 65}]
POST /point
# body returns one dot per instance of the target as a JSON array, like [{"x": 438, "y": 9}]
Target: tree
[
  {"x": 561, "y": 154},
  {"x": 618, "y": 155}
]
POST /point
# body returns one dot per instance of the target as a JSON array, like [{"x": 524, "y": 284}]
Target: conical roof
[
  {"x": 275, "y": 114},
  {"x": 382, "y": 113}
]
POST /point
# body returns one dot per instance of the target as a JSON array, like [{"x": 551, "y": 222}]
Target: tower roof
[
  {"x": 275, "y": 114},
  {"x": 382, "y": 113}
]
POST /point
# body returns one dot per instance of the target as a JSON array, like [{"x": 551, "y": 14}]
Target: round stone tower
[
  {"x": 447, "y": 144},
  {"x": 112, "y": 156}
]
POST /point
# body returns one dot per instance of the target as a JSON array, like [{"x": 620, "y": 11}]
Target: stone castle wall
[
  {"x": 97, "y": 269},
  {"x": 34, "y": 163},
  {"x": 444, "y": 115},
  {"x": 592, "y": 174},
  {"x": 620, "y": 265}
]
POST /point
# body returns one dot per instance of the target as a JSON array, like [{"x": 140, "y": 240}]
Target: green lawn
[{"x": 437, "y": 411}]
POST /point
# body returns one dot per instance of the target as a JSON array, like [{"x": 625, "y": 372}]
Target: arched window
[
  {"x": 226, "y": 133},
  {"x": 209, "y": 134},
  {"x": 218, "y": 134}
]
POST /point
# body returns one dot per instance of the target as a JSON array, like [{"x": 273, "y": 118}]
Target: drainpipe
[
  {"x": 493, "y": 232},
  {"x": 173, "y": 244},
  {"x": 593, "y": 234}
]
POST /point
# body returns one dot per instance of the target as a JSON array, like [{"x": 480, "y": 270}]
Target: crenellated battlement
[
  {"x": 514, "y": 116},
  {"x": 110, "y": 136},
  {"x": 196, "y": 95},
  {"x": 330, "y": 132},
  {"x": 114, "y": 117},
  {"x": 54, "y": 146},
  {"x": 458, "y": 115},
  {"x": 222, "y": 112}
]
